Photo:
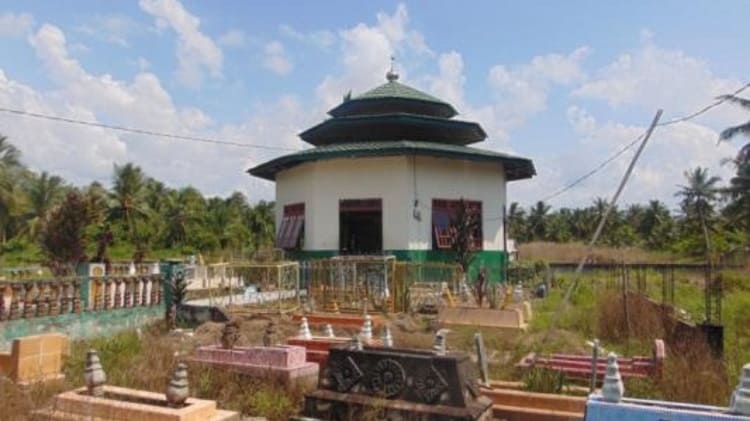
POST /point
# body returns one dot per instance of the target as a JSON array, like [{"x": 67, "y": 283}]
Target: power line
[
  {"x": 624, "y": 149},
  {"x": 595, "y": 170},
  {"x": 143, "y": 131},
  {"x": 705, "y": 109}
]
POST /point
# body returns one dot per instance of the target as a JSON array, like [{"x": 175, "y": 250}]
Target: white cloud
[
  {"x": 113, "y": 29},
  {"x": 321, "y": 38},
  {"x": 522, "y": 91},
  {"x": 652, "y": 77},
  {"x": 276, "y": 59},
  {"x": 196, "y": 52},
  {"x": 15, "y": 24},
  {"x": 233, "y": 38},
  {"x": 366, "y": 52}
]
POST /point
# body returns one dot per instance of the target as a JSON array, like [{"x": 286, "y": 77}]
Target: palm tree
[
  {"x": 739, "y": 186},
  {"x": 517, "y": 223},
  {"x": 538, "y": 221},
  {"x": 261, "y": 222},
  {"x": 128, "y": 196},
  {"x": 656, "y": 225},
  {"x": 10, "y": 156},
  {"x": 733, "y": 131},
  {"x": 43, "y": 192},
  {"x": 697, "y": 199},
  {"x": 10, "y": 194}
]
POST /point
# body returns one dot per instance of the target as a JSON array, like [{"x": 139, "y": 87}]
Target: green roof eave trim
[
  {"x": 516, "y": 168},
  {"x": 366, "y": 106},
  {"x": 365, "y": 127}
]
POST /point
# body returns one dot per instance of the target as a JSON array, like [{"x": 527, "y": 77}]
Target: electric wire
[
  {"x": 549, "y": 197},
  {"x": 143, "y": 131}
]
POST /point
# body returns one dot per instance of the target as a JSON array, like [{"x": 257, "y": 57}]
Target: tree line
[
  {"x": 136, "y": 216},
  {"x": 712, "y": 219}
]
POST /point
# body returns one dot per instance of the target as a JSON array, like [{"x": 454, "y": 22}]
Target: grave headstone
[
  {"x": 366, "y": 331},
  {"x": 269, "y": 336},
  {"x": 328, "y": 331},
  {"x": 439, "y": 345},
  {"x": 741, "y": 397},
  {"x": 387, "y": 337},
  {"x": 178, "y": 390},
  {"x": 230, "y": 334},
  {"x": 304, "y": 329},
  {"x": 612, "y": 388},
  {"x": 94, "y": 374},
  {"x": 481, "y": 359},
  {"x": 392, "y": 383}
]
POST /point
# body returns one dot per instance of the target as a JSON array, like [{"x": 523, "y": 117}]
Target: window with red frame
[
  {"x": 444, "y": 214},
  {"x": 292, "y": 226}
]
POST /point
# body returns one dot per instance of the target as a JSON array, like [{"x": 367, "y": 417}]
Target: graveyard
[
  {"x": 279, "y": 359},
  {"x": 387, "y": 272}
]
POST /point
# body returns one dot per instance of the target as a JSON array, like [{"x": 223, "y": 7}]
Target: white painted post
[
  {"x": 387, "y": 338},
  {"x": 366, "y": 331},
  {"x": 439, "y": 346},
  {"x": 304, "y": 329},
  {"x": 328, "y": 331},
  {"x": 740, "y": 403},
  {"x": 612, "y": 388}
]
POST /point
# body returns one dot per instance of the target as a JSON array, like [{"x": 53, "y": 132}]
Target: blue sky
[{"x": 565, "y": 83}]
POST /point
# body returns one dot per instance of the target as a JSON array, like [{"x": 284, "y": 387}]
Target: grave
[
  {"x": 507, "y": 319},
  {"x": 102, "y": 402},
  {"x": 35, "y": 358},
  {"x": 317, "y": 347},
  {"x": 611, "y": 405},
  {"x": 393, "y": 383},
  {"x": 578, "y": 367},
  {"x": 284, "y": 363},
  {"x": 337, "y": 319},
  {"x": 509, "y": 403}
]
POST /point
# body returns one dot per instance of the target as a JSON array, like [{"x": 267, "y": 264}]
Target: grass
[
  {"x": 573, "y": 252},
  {"x": 146, "y": 361}
]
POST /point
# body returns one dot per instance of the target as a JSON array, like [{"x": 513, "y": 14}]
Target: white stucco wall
[
  {"x": 322, "y": 184},
  {"x": 397, "y": 181},
  {"x": 440, "y": 178}
]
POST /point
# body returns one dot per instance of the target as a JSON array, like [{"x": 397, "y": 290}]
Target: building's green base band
[{"x": 493, "y": 261}]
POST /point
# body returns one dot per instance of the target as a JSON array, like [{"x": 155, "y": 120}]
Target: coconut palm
[
  {"x": 128, "y": 197},
  {"x": 43, "y": 192},
  {"x": 10, "y": 156},
  {"x": 698, "y": 197},
  {"x": 538, "y": 220},
  {"x": 10, "y": 194},
  {"x": 739, "y": 186},
  {"x": 744, "y": 128},
  {"x": 516, "y": 221}
]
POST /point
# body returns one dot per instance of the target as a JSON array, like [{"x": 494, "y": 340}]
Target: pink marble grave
[{"x": 282, "y": 362}]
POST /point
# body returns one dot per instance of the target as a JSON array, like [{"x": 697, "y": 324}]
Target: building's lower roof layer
[{"x": 516, "y": 168}]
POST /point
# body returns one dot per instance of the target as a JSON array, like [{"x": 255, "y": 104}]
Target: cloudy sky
[{"x": 564, "y": 83}]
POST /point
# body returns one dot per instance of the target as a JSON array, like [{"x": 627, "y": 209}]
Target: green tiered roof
[
  {"x": 394, "y": 119},
  {"x": 394, "y": 97}
]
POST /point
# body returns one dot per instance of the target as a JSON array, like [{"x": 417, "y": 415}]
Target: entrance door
[{"x": 360, "y": 226}]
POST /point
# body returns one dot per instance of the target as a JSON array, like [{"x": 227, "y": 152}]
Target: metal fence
[{"x": 379, "y": 283}]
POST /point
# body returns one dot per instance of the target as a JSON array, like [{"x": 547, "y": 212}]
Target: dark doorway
[{"x": 361, "y": 226}]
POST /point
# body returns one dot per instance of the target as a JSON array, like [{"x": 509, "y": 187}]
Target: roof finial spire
[{"x": 392, "y": 75}]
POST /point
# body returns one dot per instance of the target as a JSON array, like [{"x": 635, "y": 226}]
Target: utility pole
[{"x": 612, "y": 204}]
